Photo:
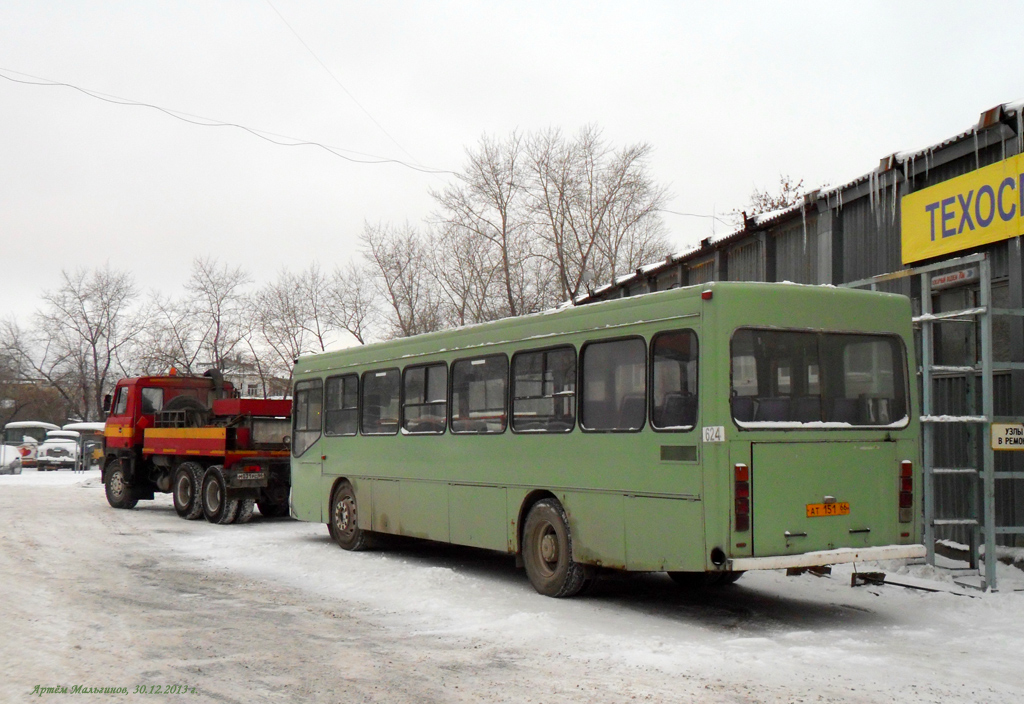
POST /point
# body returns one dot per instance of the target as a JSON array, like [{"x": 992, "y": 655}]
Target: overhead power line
[
  {"x": 338, "y": 81},
  {"x": 696, "y": 215},
  {"x": 273, "y": 138}
]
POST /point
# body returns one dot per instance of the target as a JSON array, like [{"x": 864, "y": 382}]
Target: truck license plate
[{"x": 837, "y": 509}]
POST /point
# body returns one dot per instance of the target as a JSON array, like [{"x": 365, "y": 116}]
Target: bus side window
[
  {"x": 425, "y": 399},
  {"x": 674, "y": 380},
  {"x": 341, "y": 412},
  {"x": 544, "y": 391},
  {"x": 380, "y": 402},
  {"x": 614, "y": 383},
  {"x": 479, "y": 395}
]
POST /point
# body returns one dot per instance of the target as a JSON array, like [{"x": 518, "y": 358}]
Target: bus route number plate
[
  {"x": 714, "y": 433},
  {"x": 838, "y": 509}
]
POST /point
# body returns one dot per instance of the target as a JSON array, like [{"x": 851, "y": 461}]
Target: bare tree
[
  {"x": 468, "y": 276},
  {"x": 85, "y": 324},
  {"x": 595, "y": 209},
  {"x": 399, "y": 261},
  {"x": 291, "y": 318},
  {"x": 351, "y": 302},
  {"x": 172, "y": 338},
  {"x": 791, "y": 192},
  {"x": 217, "y": 298},
  {"x": 487, "y": 204}
]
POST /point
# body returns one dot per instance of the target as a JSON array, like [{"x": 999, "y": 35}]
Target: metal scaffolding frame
[{"x": 982, "y": 525}]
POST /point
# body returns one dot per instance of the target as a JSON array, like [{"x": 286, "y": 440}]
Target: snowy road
[{"x": 273, "y": 611}]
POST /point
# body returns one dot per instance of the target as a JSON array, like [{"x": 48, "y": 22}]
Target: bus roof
[{"x": 827, "y": 303}]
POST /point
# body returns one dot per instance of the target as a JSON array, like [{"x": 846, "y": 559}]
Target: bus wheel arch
[{"x": 524, "y": 509}]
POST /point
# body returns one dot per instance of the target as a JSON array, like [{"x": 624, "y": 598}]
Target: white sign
[
  {"x": 714, "y": 433},
  {"x": 955, "y": 278},
  {"x": 1007, "y": 436}
]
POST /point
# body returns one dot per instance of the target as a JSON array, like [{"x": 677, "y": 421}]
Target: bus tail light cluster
[
  {"x": 906, "y": 491},
  {"x": 741, "y": 491}
]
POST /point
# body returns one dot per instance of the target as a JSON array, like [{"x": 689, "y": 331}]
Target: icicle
[
  {"x": 1020, "y": 130},
  {"x": 977, "y": 160}
]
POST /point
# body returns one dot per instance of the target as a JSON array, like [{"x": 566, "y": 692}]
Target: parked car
[
  {"x": 10, "y": 460},
  {"x": 58, "y": 451}
]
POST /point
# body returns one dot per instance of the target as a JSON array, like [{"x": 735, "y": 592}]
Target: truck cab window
[{"x": 152, "y": 401}]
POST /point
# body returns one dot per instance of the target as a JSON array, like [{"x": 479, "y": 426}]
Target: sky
[{"x": 729, "y": 95}]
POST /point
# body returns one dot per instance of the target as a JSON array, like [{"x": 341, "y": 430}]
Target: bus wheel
[
  {"x": 344, "y": 525},
  {"x": 547, "y": 551},
  {"x": 119, "y": 493},
  {"x": 187, "y": 482},
  {"x": 216, "y": 506},
  {"x": 245, "y": 507}
]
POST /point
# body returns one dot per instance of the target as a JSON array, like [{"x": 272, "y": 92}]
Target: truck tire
[
  {"x": 216, "y": 506},
  {"x": 119, "y": 493},
  {"x": 195, "y": 411},
  {"x": 245, "y": 507},
  {"x": 188, "y": 482},
  {"x": 269, "y": 509}
]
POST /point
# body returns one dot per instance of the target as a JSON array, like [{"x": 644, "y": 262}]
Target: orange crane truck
[{"x": 219, "y": 455}]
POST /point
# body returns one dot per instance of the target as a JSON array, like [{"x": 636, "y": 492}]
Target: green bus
[{"x": 700, "y": 431}]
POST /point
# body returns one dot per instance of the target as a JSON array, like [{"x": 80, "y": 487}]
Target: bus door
[{"x": 307, "y": 455}]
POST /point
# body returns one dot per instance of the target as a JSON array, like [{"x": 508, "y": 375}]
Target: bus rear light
[
  {"x": 252, "y": 468},
  {"x": 741, "y": 494},
  {"x": 706, "y": 295},
  {"x": 906, "y": 503}
]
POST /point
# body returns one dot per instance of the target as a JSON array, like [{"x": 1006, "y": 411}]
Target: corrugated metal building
[{"x": 859, "y": 230}]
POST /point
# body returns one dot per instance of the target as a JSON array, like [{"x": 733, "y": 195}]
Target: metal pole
[
  {"x": 988, "y": 410},
  {"x": 928, "y": 429}
]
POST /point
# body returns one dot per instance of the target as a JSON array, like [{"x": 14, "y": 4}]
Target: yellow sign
[
  {"x": 978, "y": 208},
  {"x": 1008, "y": 436}
]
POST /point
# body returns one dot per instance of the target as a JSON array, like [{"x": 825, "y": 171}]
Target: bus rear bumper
[{"x": 826, "y": 557}]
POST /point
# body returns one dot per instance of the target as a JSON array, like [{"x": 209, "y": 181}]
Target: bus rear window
[{"x": 784, "y": 378}]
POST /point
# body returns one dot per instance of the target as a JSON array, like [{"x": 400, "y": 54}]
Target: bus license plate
[{"x": 819, "y": 510}]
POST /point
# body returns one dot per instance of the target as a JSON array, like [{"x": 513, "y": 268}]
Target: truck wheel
[
  {"x": 344, "y": 525},
  {"x": 119, "y": 493},
  {"x": 216, "y": 506},
  {"x": 245, "y": 507},
  {"x": 547, "y": 551},
  {"x": 188, "y": 479},
  {"x": 269, "y": 509}
]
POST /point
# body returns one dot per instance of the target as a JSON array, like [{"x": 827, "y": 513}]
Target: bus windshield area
[{"x": 803, "y": 379}]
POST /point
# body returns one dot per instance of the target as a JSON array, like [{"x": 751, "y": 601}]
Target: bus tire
[
  {"x": 344, "y": 525},
  {"x": 216, "y": 506},
  {"x": 269, "y": 509},
  {"x": 119, "y": 492},
  {"x": 245, "y": 507},
  {"x": 547, "y": 551},
  {"x": 188, "y": 480}
]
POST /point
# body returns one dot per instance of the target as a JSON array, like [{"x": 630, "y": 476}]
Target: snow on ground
[{"x": 806, "y": 635}]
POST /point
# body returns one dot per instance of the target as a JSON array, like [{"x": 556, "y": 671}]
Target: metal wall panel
[
  {"x": 796, "y": 252},
  {"x": 746, "y": 262}
]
